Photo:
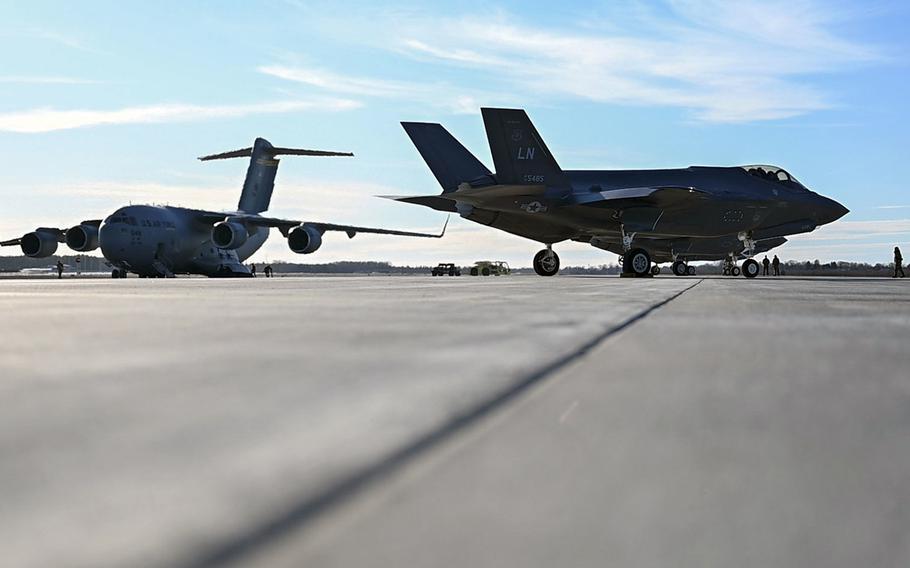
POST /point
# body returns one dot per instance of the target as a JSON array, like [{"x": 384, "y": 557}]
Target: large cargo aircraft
[
  {"x": 161, "y": 241},
  {"x": 646, "y": 216}
]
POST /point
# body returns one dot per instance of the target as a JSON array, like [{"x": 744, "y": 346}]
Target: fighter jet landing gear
[
  {"x": 546, "y": 262},
  {"x": 637, "y": 263},
  {"x": 118, "y": 273},
  {"x": 681, "y": 268},
  {"x": 750, "y": 268}
]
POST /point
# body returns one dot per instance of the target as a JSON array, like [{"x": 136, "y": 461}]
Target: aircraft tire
[
  {"x": 751, "y": 268},
  {"x": 690, "y": 270},
  {"x": 474, "y": 272},
  {"x": 115, "y": 273},
  {"x": 735, "y": 271},
  {"x": 655, "y": 270},
  {"x": 679, "y": 268},
  {"x": 546, "y": 263},
  {"x": 486, "y": 271},
  {"x": 639, "y": 262}
]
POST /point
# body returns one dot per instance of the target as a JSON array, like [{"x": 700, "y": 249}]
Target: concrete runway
[{"x": 391, "y": 421}]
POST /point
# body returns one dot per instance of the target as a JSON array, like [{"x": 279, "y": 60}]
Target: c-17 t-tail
[{"x": 646, "y": 216}]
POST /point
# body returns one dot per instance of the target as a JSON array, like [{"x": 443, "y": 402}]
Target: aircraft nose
[{"x": 830, "y": 210}]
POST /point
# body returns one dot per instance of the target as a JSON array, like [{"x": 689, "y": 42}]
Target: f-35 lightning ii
[
  {"x": 161, "y": 241},
  {"x": 646, "y": 216}
]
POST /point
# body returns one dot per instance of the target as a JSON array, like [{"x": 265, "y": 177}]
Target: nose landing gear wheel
[
  {"x": 678, "y": 268},
  {"x": 750, "y": 268},
  {"x": 655, "y": 270},
  {"x": 546, "y": 263},
  {"x": 734, "y": 271},
  {"x": 690, "y": 270}
]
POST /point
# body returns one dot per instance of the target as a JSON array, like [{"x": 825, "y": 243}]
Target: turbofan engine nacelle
[
  {"x": 82, "y": 238},
  {"x": 38, "y": 244},
  {"x": 229, "y": 235},
  {"x": 304, "y": 239}
]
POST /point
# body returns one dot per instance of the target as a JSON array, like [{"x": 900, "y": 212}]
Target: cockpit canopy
[{"x": 775, "y": 174}]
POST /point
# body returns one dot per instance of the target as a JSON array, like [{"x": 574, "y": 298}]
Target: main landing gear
[
  {"x": 682, "y": 268},
  {"x": 750, "y": 268},
  {"x": 546, "y": 262},
  {"x": 118, "y": 273},
  {"x": 637, "y": 263}
]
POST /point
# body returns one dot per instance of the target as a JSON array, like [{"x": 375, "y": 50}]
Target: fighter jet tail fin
[
  {"x": 519, "y": 153},
  {"x": 260, "y": 176},
  {"x": 447, "y": 158}
]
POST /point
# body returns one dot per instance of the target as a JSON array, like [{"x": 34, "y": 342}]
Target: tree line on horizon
[{"x": 12, "y": 264}]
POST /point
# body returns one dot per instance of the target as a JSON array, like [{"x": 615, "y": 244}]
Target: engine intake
[
  {"x": 305, "y": 239},
  {"x": 38, "y": 244},
  {"x": 82, "y": 238},
  {"x": 229, "y": 235}
]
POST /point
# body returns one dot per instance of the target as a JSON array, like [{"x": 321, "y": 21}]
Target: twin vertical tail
[
  {"x": 260, "y": 175},
  {"x": 519, "y": 153},
  {"x": 447, "y": 158}
]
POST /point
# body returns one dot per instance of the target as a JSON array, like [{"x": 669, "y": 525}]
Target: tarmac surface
[{"x": 418, "y": 421}]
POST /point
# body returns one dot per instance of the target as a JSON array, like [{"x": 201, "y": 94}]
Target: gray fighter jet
[
  {"x": 646, "y": 216},
  {"x": 161, "y": 241}
]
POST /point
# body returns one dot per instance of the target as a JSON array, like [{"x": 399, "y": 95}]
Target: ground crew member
[
  {"x": 253, "y": 270},
  {"x": 776, "y": 265},
  {"x": 765, "y": 264},
  {"x": 898, "y": 263},
  {"x": 268, "y": 270},
  {"x": 59, "y": 270}
]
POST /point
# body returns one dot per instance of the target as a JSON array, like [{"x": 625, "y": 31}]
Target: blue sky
[{"x": 111, "y": 102}]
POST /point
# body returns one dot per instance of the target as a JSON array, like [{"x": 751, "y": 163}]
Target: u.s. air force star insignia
[{"x": 534, "y": 207}]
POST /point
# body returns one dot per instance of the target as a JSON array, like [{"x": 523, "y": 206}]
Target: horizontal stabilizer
[
  {"x": 247, "y": 152},
  {"x": 432, "y": 201}
]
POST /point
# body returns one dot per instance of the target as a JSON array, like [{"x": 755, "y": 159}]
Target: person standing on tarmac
[
  {"x": 765, "y": 264},
  {"x": 268, "y": 270},
  {"x": 776, "y": 265},
  {"x": 253, "y": 270},
  {"x": 898, "y": 263},
  {"x": 59, "y": 270}
]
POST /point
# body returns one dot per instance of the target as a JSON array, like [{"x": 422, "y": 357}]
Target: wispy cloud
[
  {"x": 858, "y": 230},
  {"x": 457, "y": 100},
  {"x": 892, "y": 207},
  {"x": 726, "y": 61},
  {"x": 49, "y": 119}
]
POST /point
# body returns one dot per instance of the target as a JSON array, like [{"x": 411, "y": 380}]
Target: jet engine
[
  {"x": 82, "y": 238},
  {"x": 304, "y": 239},
  {"x": 38, "y": 244},
  {"x": 229, "y": 235}
]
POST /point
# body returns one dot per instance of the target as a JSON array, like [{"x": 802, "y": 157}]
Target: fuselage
[
  {"x": 761, "y": 202},
  {"x": 153, "y": 240}
]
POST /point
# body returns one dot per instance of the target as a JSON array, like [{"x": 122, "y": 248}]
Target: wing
[
  {"x": 285, "y": 225},
  {"x": 658, "y": 196}
]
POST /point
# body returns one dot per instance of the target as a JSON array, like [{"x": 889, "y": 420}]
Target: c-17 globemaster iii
[
  {"x": 162, "y": 240},
  {"x": 646, "y": 216}
]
